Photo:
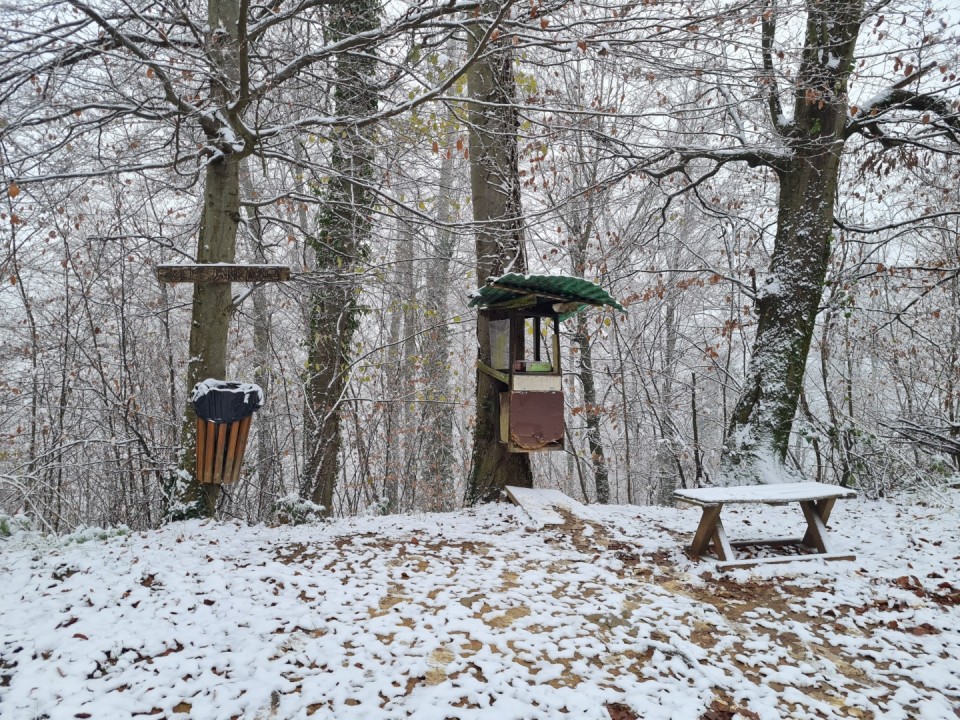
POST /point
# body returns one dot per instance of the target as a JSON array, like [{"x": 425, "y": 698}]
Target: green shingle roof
[{"x": 552, "y": 288}]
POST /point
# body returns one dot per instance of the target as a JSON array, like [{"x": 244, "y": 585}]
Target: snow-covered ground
[{"x": 476, "y": 614}]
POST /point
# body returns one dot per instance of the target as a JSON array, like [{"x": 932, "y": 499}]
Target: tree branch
[
  {"x": 205, "y": 119},
  {"x": 413, "y": 19},
  {"x": 864, "y": 230},
  {"x": 753, "y": 157},
  {"x": 768, "y": 29},
  {"x": 867, "y": 119}
]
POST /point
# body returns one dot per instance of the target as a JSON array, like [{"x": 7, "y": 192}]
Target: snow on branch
[
  {"x": 867, "y": 120},
  {"x": 935, "y": 437}
]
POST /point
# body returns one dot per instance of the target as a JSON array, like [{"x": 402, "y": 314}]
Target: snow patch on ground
[{"x": 476, "y": 614}]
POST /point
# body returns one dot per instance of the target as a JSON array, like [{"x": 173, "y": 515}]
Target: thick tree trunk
[
  {"x": 495, "y": 190},
  {"x": 209, "y": 323},
  {"x": 340, "y": 245},
  {"x": 331, "y": 327},
  {"x": 789, "y": 296},
  {"x": 217, "y": 241},
  {"x": 333, "y": 320}
]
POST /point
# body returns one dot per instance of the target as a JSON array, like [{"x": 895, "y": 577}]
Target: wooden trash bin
[
  {"x": 224, "y": 413},
  {"x": 220, "y": 448}
]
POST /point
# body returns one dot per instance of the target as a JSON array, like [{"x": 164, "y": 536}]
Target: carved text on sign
[{"x": 222, "y": 273}]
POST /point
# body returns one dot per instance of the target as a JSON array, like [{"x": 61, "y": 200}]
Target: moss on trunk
[{"x": 789, "y": 296}]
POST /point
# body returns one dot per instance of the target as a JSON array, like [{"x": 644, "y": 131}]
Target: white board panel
[{"x": 537, "y": 383}]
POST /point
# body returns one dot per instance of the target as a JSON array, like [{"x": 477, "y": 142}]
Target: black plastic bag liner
[{"x": 221, "y": 401}]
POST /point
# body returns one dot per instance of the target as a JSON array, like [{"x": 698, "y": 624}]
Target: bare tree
[{"x": 802, "y": 144}]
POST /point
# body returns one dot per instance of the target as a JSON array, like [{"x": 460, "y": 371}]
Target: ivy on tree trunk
[{"x": 340, "y": 245}]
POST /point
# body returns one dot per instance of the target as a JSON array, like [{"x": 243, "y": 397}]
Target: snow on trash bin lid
[{"x": 222, "y": 401}]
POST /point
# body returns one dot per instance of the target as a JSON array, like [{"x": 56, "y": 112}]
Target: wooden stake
[
  {"x": 219, "y": 453},
  {"x": 201, "y": 447},
  {"x": 243, "y": 432},
  {"x": 211, "y": 441},
  {"x": 231, "y": 456}
]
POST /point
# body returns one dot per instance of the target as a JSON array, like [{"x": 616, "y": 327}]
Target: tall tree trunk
[
  {"x": 340, "y": 245},
  {"x": 398, "y": 477},
  {"x": 394, "y": 368},
  {"x": 216, "y": 243},
  {"x": 789, "y": 297},
  {"x": 626, "y": 418},
  {"x": 495, "y": 190},
  {"x": 952, "y": 381},
  {"x": 581, "y": 228},
  {"x": 668, "y": 471},
  {"x": 209, "y": 323},
  {"x": 408, "y": 474},
  {"x": 332, "y": 322},
  {"x": 435, "y": 349},
  {"x": 268, "y": 471},
  {"x": 666, "y": 464},
  {"x": 601, "y": 477}
]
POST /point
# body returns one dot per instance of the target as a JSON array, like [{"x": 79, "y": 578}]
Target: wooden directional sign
[{"x": 222, "y": 273}]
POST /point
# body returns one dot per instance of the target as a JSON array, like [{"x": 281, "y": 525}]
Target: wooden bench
[{"x": 816, "y": 500}]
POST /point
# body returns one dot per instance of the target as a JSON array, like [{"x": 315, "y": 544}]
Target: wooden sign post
[
  {"x": 222, "y": 273},
  {"x": 215, "y": 439}
]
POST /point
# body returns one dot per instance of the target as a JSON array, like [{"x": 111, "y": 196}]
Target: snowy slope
[{"x": 477, "y": 614}]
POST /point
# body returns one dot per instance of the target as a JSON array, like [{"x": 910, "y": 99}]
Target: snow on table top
[
  {"x": 470, "y": 615},
  {"x": 780, "y": 492}
]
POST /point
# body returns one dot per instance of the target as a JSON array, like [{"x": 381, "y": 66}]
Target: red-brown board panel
[{"x": 536, "y": 419}]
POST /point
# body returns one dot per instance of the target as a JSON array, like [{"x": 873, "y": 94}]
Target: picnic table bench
[{"x": 815, "y": 499}]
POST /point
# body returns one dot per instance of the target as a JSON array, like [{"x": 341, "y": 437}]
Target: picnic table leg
[
  {"x": 721, "y": 546},
  {"x": 824, "y": 508},
  {"x": 816, "y": 528},
  {"x": 708, "y": 521}
]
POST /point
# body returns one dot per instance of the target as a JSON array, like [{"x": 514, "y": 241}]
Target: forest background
[{"x": 645, "y": 146}]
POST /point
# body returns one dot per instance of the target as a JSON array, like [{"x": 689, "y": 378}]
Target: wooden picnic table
[{"x": 815, "y": 499}]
